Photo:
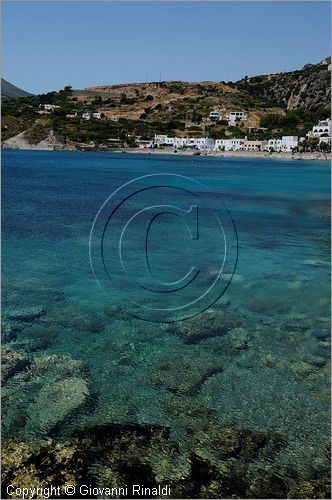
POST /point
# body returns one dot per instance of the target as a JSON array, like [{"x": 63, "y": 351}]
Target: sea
[{"x": 178, "y": 303}]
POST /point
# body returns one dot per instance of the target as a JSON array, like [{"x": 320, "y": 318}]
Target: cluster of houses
[
  {"x": 287, "y": 143},
  {"x": 85, "y": 116}
]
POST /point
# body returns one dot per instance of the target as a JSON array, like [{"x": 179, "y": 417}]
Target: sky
[{"x": 47, "y": 45}]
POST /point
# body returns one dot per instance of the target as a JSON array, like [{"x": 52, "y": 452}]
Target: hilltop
[
  {"x": 282, "y": 103},
  {"x": 10, "y": 91},
  {"x": 308, "y": 89}
]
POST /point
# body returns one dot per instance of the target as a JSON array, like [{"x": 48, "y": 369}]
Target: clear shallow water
[{"x": 257, "y": 360}]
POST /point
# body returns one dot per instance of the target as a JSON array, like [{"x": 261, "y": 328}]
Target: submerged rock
[
  {"x": 11, "y": 362},
  {"x": 222, "y": 442},
  {"x": 187, "y": 373},
  {"x": 56, "y": 402},
  {"x": 322, "y": 333},
  {"x": 41, "y": 465},
  {"x": 302, "y": 368},
  {"x": 206, "y": 326},
  {"x": 57, "y": 366},
  {"x": 238, "y": 339},
  {"x": 26, "y": 314},
  {"x": 223, "y": 461},
  {"x": 57, "y": 383},
  {"x": 76, "y": 318},
  {"x": 8, "y": 331}
]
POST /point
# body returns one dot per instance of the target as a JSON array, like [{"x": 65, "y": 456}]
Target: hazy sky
[{"x": 47, "y": 45}]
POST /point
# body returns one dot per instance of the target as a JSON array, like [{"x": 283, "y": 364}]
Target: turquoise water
[{"x": 257, "y": 359}]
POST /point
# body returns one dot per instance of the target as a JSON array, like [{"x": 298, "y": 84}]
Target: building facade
[
  {"x": 215, "y": 116},
  {"x": 201, "y": 143},
  {"x": 322, "y": 131},
  {"x": 49, "y": 107},
  {"x": 228, "y": 144},
  {"x": 286, "y": 144},
  {"x": 112, "y": 118},
  {"x": 235, "y": 117},
  {"x": 252, "y": 145}
]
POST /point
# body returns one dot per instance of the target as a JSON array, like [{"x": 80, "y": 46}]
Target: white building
[
  {"x": 205, "y": 144},
  {"x": 49, "y": 107},
  {"x": 286, "y": 144},
  {"x": 201, "y": 143},
  {"x": 215, "y": 116},
  {"x": 289, "y": 142},
  {"x": 163, "y": 140},
  {"x": 273, "y": 144},
  {"x": 88, "y": 116},
  {"x": 228, "y": 144},
  {"x": 252, "y": 145},
  {"x": 113, "y": 118},
  {"x": 322, "y": 131},
  {"x": 144, "y": 143},
  {"x": 234, "y": 117},
  {"x": 114, "y": 142},
  {"x": 175, "y": 142}
]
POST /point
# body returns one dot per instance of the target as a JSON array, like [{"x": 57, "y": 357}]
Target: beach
[
  {"x": 235, "y": 154},
  {"x": 52, "y": 144}
]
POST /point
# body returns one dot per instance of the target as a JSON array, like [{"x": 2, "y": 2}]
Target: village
[
  {"x": 286, "y": 144},
  {"x": 319, "y": 136}
]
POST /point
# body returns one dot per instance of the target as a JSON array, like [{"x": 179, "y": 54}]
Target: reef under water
[{"x": 232, "y": 403}]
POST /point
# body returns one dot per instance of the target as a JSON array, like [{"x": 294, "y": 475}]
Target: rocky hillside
[
  {"x": 35, "y": 137},
  {"x": 308, "y": 88},
  {"x": 10, "y": 91}
]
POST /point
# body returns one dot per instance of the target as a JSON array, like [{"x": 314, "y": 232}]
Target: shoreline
[
  {"x": 235, "y": 154},
  {"x": 312, "y": 156}
]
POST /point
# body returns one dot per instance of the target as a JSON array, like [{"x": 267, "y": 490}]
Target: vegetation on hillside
[
  {"x": 281, "y": 104},
  {"x": 295, "y": 122},
  {"x": 308, "y": 88}
]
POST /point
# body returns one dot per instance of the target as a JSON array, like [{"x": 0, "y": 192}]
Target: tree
[
  {"x": 313, "y": 143},
  {"x": 324, "y": 146}
]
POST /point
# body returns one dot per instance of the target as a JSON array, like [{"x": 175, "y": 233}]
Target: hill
[
  {"x": 308, "y": 88},
  {"x": 278, "y": 104},
  {"x": 10, "y": 91}
]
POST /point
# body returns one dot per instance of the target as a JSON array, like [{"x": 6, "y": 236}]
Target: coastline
[
  {"x": 311, "y": 156},
  {"x": 235, "y": 154}
]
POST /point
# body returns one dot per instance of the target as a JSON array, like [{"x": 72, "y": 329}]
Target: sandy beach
[
  {"x": 49, "y": 146},
  {"x": 233, "y": 154}
]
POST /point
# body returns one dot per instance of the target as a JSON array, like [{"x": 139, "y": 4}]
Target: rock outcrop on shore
[{"x": 50, "y": 141}]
